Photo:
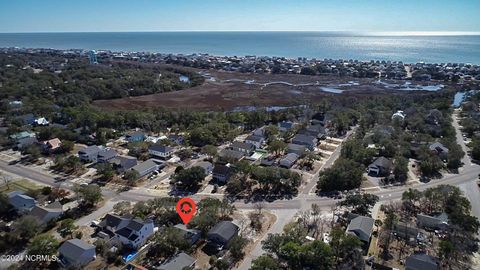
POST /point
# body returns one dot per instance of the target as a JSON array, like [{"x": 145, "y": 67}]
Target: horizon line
[{"x": 363, "y": 33}]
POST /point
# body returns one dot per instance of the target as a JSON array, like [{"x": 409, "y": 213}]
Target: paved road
[{"x": 284, "y": 209}]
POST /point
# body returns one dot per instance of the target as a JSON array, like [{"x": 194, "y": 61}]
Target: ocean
[{"x": 320, "y": 45}]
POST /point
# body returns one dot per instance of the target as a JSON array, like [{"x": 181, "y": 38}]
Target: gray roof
[
  {"x": 420, "y": 261},
  {"x": 436, "y": 146},
  {"x": 74, "y": 248},
  {"x": 432, "y": 221},
  {"x": 108, "y": 154},
  {"x": 178, "y": 262},
  {"x": 362, "y": 227},
  {"x": 90, "y": 150},
  {"x": 17, "y": 199},
  {"x": 225, "y": 229},
  {"x": 124, "y": 161},
  {"x": 255, "y": 138},
  {"x": 161, "y": 148},
  {"x": 382, "y": 162},
  {"x": 144, "y": 166},
  {"x": 296, "y": 147},
  {"x": 221, "y": 169},
  {"x": 290, "y": 158},
  {"x": 242, "y": 145},
  {"x": 304, "y": 138},
  {"x": 40, "y": 212},
  {"x": 228, "y": 153}
]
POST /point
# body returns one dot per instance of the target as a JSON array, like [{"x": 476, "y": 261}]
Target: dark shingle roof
[
  {"x": 160, "y": 148},
  {"x": 362, "y": 227},
  {"x": 90, "y": 150},
  {"x": 420, "y": 261},
  {"x": 107, "y": 154},
  {"x": 74, "y": 248},
  {"x": 382, "y": 162},
  {"x": 178, "y": 262},
  {"x": 242, "y": 145},
  {"x": 225, "y": 229}
]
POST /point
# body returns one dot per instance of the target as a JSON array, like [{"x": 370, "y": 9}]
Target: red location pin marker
[{"x": 186, "y": 208}]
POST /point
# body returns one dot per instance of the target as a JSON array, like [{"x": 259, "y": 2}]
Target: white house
[
  {"x": 135, "y": 233},
  {"x": 399, "y": 115},
  {"x": 161, "y": 151}
]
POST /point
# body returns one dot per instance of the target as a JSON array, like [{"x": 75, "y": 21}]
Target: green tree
[
  {"x": 106, "y": 171},
  {"x": 345, "y": 174},
  {"x": 4, "y": 204},
  {"x": 236, "y": 246},
  {"x": 26, "y": 227},
  {"x": 400, "y": 169},
  {"x": 131, "y": 176},
  {"x": 190, "y": 178},
  {"x": 43, "y": 244},
  {"x": 67, "y": 227},
  {"x": 360, "y": 203},
  {"x": 277, "y": 146},
  {"x": 209, "y": 150},
  {"x": 265, "y": 262},
  {"x": 90, "y": 194}
]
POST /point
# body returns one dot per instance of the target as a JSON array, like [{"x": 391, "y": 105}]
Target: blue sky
[{"x": 238, "y": 15}]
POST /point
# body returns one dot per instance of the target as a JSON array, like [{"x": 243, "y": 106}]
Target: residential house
[
  {"x": 160, "y": 150},
  {"x": 255, "y": 140},
  {"x": 111, "y": 223},
  {"x": 285, "y": 126},
  {"x": 21, "y": 135},
  {"x": 176, "y": 139},
  {"x": 288, "y": 160},
  {"x": 382, "y": 166},
  {"x": 27, "y": 119},
  {"x": 76, "y": 253},
  {"x": 106, "y": 155},
  {"x": 400, "y": 115},
  {"x": 296, "y": 149},
  {"x": 407, "y": 232},
  {"x": 308, "y": 141},
  {"x": 21, "y": 202},
  {"x": 46, "y": 213},
  {"x": 136, "y": 136},
  {"x": 221, "y": 173},
  {"x": 90, "y": 153},
  {"x": 259, "y": 132},
  {"x": 316, "y": 131},
  {"x": 361, "y": 227},
  {"x": 25, "y": 142},
  {"x": 178, "y": 262},
  {"x": 123, "y": 163},
  {"x": 267, "y": 161},
  {"x": 229, "y": 154},
  {"x": 421, "y": 261},
  {"x": 434, "y": 117},
  {"x": 206, "y": 166},
  {"x": 135, "y": 233},
  {"x": 42, "y": 121},
  {"x": 437, "y": 222},
  {"x": 145, "y": 167},
  {"x": 51, "y": 146},
  {"x": 191, "y": 235},
  {"x": 439, "y": 149},
  {"x": 222, "y": 233},
  {"x": 245, "y": 148}
]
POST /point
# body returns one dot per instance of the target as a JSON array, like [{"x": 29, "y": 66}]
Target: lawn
[{"x": 19, "y": 185}]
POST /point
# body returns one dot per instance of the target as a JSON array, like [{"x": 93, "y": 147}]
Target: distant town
[{"x": 293, "y": 163}]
